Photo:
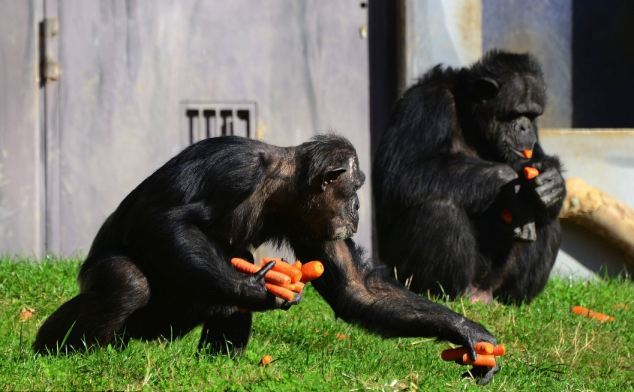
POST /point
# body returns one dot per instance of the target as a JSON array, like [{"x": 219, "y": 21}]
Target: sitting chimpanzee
[
  {"x": 455, "y": 215},
  {"x": 160, "y": 264}
]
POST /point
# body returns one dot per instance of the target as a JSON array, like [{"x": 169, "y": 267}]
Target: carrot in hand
[
  {"x": 530, "y": 172},
  {"x": 311, "y": 271},
  {"x": 284, "y": 268},
  {"x": 581, "y": 311},
  {"x": 484, "y": 348},
  {"x": 298, "y": 265},
  {"x": 481, "y": 360},
  {"x": 280, "y": 292},
  {"x": 528, "y": 154},
  {"x": 507, "y": 216},
  {"x": 249, "y": 268},
  {"x": 296, "y": 287}
]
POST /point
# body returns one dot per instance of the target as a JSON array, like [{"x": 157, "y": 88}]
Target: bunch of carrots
[
  {"x": 485, "y": 354},
  {"x": 284, "y": 280}
]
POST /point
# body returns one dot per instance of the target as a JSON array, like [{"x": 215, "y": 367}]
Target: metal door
[{"x": 130, "y": 72}]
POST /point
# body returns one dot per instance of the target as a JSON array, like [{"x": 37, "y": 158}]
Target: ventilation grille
[{"x": 209, "y": 119}]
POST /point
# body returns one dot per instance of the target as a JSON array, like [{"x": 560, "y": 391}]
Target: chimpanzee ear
[
  {"x": 330, "y": 176},
  {"x": 486, "y": 88}
]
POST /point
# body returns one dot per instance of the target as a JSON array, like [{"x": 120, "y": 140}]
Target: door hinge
[{"x": 49, "y": 65}]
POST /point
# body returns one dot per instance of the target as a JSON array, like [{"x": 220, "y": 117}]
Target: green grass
[{"x": 548, "y": 347}]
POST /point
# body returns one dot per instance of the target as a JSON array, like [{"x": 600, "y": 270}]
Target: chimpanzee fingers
[
  {"x": 548, "y": 176},
  {"x": 261, "y": 273},
  {"x": 481, "y": 373},
  {"x": 549, "y": 195}
]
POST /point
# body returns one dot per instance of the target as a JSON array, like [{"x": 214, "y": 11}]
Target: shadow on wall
[{"x": 602, "y": 63}]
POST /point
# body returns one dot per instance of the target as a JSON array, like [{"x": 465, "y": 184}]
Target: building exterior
[{"x": 96, "y": 95}]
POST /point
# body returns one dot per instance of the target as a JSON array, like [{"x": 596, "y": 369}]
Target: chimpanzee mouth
[{"x": 518, "y": 153}]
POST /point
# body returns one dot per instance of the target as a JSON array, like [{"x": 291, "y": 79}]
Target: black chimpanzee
[
  {"x": 159, "y": 265},
  {"x": 447, "y": 175}
]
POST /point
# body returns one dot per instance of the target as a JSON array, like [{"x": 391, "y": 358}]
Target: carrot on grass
[
  {"x": 280, "y": 291},
  {"x": 530, "y": 172},
  {"x": 581, "y": 311},
  {"x": 311, "y": 271},
  {"x": 284, "y": 268},
  {"x": 249, "y": 268}
]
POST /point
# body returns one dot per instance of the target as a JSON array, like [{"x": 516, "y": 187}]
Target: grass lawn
[{"x": 548, "y": 348}]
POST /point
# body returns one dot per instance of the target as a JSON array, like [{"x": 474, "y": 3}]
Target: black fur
[
  {"x": 449, "y": 165},
  {"x": 159, "y": 265}
]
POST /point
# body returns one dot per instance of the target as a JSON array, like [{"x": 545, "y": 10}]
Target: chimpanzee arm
[
  {"x": 174, "y": 246},
  {"x": 363, "y": 293},
  {"x": 472, "y": 183}
]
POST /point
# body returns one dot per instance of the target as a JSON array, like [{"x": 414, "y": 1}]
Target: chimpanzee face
[
  {"x": 506, "y": 115},
  {"x": 332, "y": 211}
]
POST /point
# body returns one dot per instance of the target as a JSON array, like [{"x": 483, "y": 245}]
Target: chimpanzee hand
[
  {"x": 265, "y": 300},
  {"x": 468, "y": 334},
  {"x": 548, "y": 187}
]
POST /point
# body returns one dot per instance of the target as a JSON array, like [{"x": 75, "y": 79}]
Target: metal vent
[{"x": 209, "y": 119}]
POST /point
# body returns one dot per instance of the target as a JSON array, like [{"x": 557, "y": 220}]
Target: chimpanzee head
[
  {"x": 329, "y": 179},
  {"x": 507, "y": 94}
]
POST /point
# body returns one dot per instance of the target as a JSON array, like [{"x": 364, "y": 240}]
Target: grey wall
[
  {"x": 127, "y": 67},
  {"x": 21, "y": 145}
]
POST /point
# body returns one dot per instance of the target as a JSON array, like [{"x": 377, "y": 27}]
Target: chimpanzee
[
  {"x": 455, "y": 215},
  {"x": 159, "y": 265}
]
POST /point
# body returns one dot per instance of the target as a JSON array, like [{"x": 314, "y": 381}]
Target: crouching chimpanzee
[
  {"x": 455, "y": 214},
  {"x": 159, "y": 265}
]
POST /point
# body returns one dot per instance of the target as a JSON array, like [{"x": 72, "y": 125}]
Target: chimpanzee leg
[
  {"x": 111, "y": 289},
  {"x": 529, "y": 266},
  {"x": 442, "y": 252},
  {"x": 226, "y": 331}
]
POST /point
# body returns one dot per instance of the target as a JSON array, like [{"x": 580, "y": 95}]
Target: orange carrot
[
  {"x": 506, "y": 216},
  {"x": 484, "y": 348},
  {"x": 298, "y": 265},
  {"x": 281, "y": 292},
  {"x": 481, "y": 348},
  {"x": 296, "y": 287},
  {"x": 581, "y": 311},
  {"x": 311, "y": 271},
  {"x": 499, "y": 350},
  {"x": 528, "y": 154},
  {"x": 530, "y": 172},
  {"x": 249, "y": 268},
  {"x": 284, "y": 268},
  {"x": 481, "y": 360},
  {"x": 453, "y": 354},
  {"x": 266, "y": 360}
]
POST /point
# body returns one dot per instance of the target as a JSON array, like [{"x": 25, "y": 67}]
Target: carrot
[
  {"x": 530, "y": 172},
  {"x": 481, "y": 348},
  {"x": 281, "y": 292},
  {"x": 284, "y": 268},
  {"x": 481, "y": 360},
  {"x": 499, "y": 350},
  {"x": 311, "y": 271},
  {"x": 453, "y": 354},
  {"x": 249, "y": 268},
  {"x": 298, "y": 265},
  {"x": 296, "y": 287},
  {"x": 528, "y": 154},
  {"x": 266, "y": 360},
  {"x": 581, "y": 311},
  {"x": 484, "y": 348},
  {"x": 507, "y": 216}
]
